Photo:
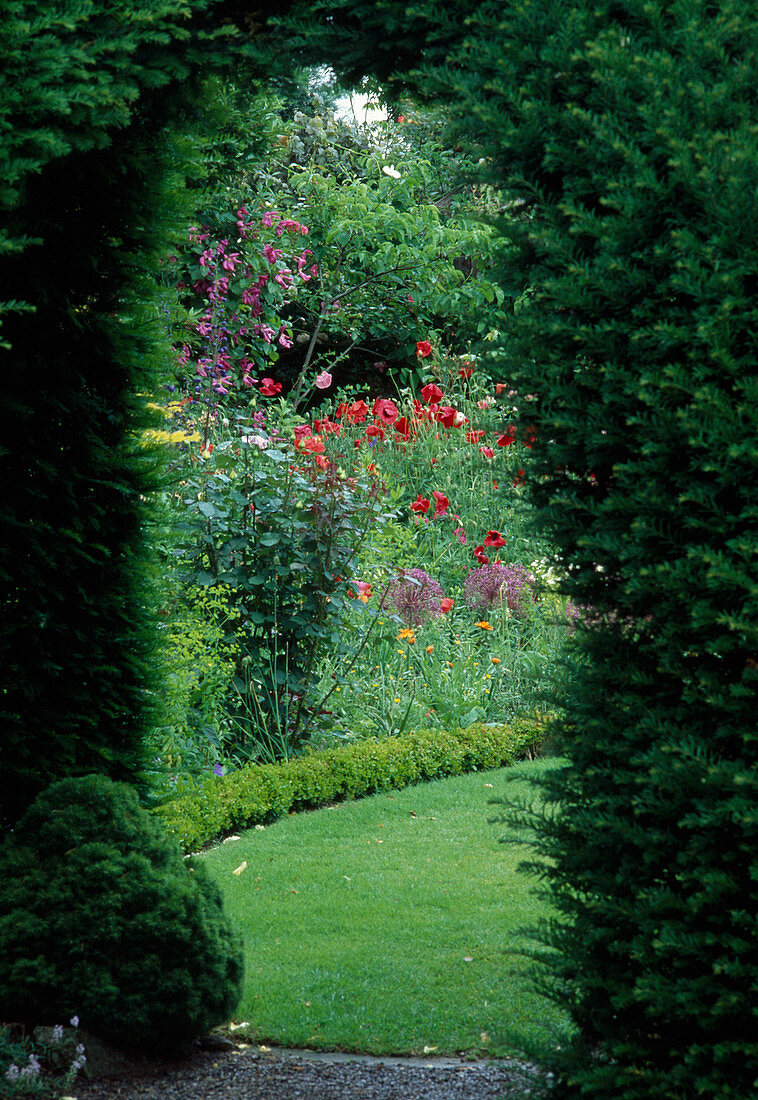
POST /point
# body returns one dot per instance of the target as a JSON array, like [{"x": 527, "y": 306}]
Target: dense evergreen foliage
[
  {"x": 624, "y": 137},
  {"x": 101, "y": 917},
  {"x": 92, "y": 97}
]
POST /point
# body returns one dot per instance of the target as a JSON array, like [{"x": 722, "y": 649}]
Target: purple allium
[
  {"x": 415, "y": 596},
  {"x": 493, "y": 586}
]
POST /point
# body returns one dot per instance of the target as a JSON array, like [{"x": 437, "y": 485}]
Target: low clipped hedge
[{"x": 261, "y": 793}]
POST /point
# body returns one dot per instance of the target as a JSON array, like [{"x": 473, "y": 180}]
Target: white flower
[{"x": 390, "y": 170}]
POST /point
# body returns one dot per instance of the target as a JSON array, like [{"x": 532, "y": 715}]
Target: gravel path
[{"x": 251, "y": 1074}]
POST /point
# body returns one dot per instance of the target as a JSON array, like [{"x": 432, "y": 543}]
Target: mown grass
[{"x": 391, "y": 925}]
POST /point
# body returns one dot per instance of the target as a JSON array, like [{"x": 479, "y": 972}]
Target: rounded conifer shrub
[{"x": 101, "y": 917}]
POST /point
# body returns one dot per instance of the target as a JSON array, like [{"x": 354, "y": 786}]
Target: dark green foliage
[
  {"x": 101, "y": 917},
  {"x": 91, "y": 98},
  {"x": 624, "y": 136},
  {"x": 261, "y": 793}
]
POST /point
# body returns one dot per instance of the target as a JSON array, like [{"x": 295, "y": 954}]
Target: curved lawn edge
[{"x": 259, "y": 794}]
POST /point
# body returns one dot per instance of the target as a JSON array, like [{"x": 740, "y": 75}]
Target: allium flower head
[
  {"x": 415, "y": 596},
  {"x": 492, "y": 586}
]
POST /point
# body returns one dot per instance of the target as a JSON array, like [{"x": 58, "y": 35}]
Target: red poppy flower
[
  {"x": 322, "y": 462},
  {"x": 441, "y": 503},
  {"x": 465, "y": 372},
  {"x": 385, "y": 410},
  {"x": 420, "y": 504},
  {"x": 446, "y": 605},
  {"x": 431, "y": 393},
  {"x": 494, "y": 539},
  {"x": 375, "y": 431},
  {"x": 314, "y": 444},
  {"x": 480, "y": 555},
  {"x": 326, "y": 425},
  {"x": 530, "y": 435},
  {"x": 423, "y": 349},
  {"x": 403, "y": 428},
  {"x": 487, "y": 452},
  {"x": 508, "y": 437},
  {"x": 500, "y": 386},
  {"x": 445, "y": 415},
  {"x": 269, "y": 387},
  {"x": 519, "y": 479},
  {"x": 300, "y": 431},
  {"x": 473, "y": 436}
]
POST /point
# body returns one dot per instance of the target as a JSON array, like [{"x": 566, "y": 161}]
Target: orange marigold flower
[{"x": 484, "y": 625}]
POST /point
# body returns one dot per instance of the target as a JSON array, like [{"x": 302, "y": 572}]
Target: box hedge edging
[{"x": 260, "y": 793}]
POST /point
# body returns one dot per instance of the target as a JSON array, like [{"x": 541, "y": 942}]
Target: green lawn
[{"x": 390, "y": 925}]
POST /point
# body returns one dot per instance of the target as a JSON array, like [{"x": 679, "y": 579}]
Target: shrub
[
  {"x": 259, "y": 794},
  {"x": 101, "y": 917},
  {"x": 623, "y": 137}
]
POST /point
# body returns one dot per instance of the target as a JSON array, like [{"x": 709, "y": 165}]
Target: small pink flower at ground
[
  {"x": 460, "y": 534},
  {"x": 494, "y": 539},
  {"x": 324, "y": 380},
  {"x": 441, "y": 503},
  {"x": 269, "y": 387},
  {"x": 432, "y": 394},
  {"x": 420, "y": 504},
  {"x": 423, "y": 349},
  {"x": 446, "y": 605}
]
